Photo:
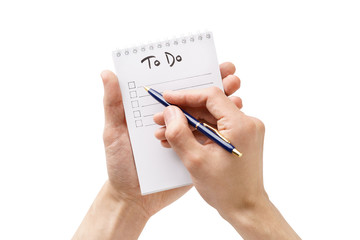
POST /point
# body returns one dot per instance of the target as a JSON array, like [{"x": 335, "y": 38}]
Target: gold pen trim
[
  {"x": 215, "y": 131},
  {"x": 234, "y": 151}
]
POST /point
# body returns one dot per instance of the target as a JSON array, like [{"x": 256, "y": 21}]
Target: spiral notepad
[{"x": 181, "y": 63}]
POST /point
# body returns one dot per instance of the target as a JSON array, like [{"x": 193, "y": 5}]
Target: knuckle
[
  {"x": 237, "y": 82},
  {"x": 173, "y": 132},
  {"x": 240, "y": 103},
  {"x": 255, "y": 125},
  {"x": 261, "y": 126},
  {"x": 232, "y": 66},
  {"x": 251, "y": 126},
  {"x": 229, "y": 67},
  {"x": 214, "y": 91},
  {"x": 237, "y": 101},
  {"x": 194, "y": 160}
]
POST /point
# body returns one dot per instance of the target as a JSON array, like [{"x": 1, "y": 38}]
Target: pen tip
[
  {"x": 236, "y": 152},
  {"x": 146, "y": 88}
]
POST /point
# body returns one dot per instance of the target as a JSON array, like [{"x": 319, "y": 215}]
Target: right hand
[{"x": 228, "y": 183}]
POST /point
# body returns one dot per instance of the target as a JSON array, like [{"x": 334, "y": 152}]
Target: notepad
[{"x": 182, "y": 63}]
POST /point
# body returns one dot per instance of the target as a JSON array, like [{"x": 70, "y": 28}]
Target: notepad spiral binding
[{"x": 163, "y": 44}]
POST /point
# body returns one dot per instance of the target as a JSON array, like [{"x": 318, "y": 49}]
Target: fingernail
[{"x": 170, "y": 114}]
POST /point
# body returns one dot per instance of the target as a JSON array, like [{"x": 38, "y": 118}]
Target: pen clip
[{"x": 216, "y": 131}]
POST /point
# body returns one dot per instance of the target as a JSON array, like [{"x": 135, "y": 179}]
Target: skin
[
  {"x": 233, "y": 186},
  {"x": 120, "y": 211}
]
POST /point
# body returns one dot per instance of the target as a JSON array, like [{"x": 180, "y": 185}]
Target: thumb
[{"x": 179, "y": 135}]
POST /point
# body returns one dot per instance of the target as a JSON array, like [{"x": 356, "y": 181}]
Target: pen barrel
[
  {"x": 208, "y": 132},
  {"x": 191, "y": 120},
  {"x": 195, "y": 123},
  {"x": 159, "y": 97},
  {"x": 215, "y": 138}
]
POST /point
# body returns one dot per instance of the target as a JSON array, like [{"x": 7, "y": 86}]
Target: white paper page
[{"x": 183, "y": 63}]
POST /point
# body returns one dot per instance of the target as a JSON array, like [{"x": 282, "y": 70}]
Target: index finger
[{"x": 217, "y": 103}]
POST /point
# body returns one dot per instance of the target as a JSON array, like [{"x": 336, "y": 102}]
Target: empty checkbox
[
  {"x": 131, "y": 85},
  {"x": 135, "y": 103},
  {"x": 133, "y": 94},
  {"x": 138, "y": 123},
  {"x": 137, "y": 114}
]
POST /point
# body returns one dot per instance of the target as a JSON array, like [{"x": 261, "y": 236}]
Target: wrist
[
  {"x": 129, "y": 216},
  {"x": 250, "y": 220},
  {"x": 261, "y": 221},
  {"x": 125, "y": 201},
  {"x": 112, "y": 217}
]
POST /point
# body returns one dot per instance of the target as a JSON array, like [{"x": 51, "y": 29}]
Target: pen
[{"x": 204, "y": 128}]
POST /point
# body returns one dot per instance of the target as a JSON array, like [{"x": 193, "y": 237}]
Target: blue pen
[{"x": 204, "y": 128}]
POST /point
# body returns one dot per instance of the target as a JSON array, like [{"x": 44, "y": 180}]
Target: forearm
[
  {"x": 111, "y": 218},
  {"x": 262, "y": 222}
]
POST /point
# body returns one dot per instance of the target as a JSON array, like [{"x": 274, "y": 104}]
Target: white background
[{"x": 299, "y": 65}]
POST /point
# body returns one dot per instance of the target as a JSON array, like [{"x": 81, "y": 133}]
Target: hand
[
  {"x": 226, "y": 182},
  {"x": 119, "y": 210},
  {"x": 232, "y": 185},
  {"x": 123, "y": 181}
]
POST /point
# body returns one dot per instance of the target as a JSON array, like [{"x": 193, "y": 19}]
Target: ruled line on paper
[
  {"x": 203, "y": 84},
  {"x": 178, "y": 79},
  {"x": 150, "y": 104},
  {"x": 192, "y": 86},
  {"x": 151, "y": 124}
]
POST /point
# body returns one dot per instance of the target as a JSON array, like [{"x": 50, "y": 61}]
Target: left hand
[{"x": 123, "y": 183}]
